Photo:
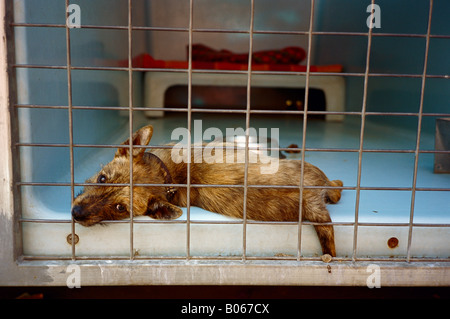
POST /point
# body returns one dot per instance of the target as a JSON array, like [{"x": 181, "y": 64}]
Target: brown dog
[{"x": 108, "y": 202}]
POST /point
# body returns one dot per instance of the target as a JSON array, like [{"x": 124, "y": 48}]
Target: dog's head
[{"x": 108, "y": 198}]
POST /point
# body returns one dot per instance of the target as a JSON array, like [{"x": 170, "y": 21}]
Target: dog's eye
[
  {"x": 120, "y": 207},
  {"x": 101, "y": 179}
]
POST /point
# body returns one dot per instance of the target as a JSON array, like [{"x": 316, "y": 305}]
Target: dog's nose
[{"x": 77, "y": 212}]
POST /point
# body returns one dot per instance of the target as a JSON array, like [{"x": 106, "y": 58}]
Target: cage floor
[{"x": 385, "y": 169}]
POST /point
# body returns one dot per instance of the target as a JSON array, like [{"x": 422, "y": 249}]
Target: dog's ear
[
  {"x": 160, "y": 209},
  {"x": 140, "y": 138}
]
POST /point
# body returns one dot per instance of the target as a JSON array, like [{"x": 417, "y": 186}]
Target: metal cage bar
[
  {"x": 361, "y": 138},
  {"x": 69, "y": 90},
  {"x": 305, "y": 121},
  {"x": 247, "y": 132},
  {"x": 189, "y": 127},
  {"x": 419, "y": 129},
  {"x": 130, "y": 119},
  {"x": 224, "y": 30}
]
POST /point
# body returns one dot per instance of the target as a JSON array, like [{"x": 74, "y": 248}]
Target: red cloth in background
[
  {"x": 289, "y": 55},
  {"x": 205, "y": 58},
  {"x": 146, "y": 61}
]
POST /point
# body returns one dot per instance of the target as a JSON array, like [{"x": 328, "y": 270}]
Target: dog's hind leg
[
  {"x": 326, "y": 238},
  {"x": 333, "y": 195},
  {"x": 316, "y": 211}
]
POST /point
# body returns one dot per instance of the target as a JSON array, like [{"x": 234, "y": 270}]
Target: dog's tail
[{"x": 333, "y": 195}]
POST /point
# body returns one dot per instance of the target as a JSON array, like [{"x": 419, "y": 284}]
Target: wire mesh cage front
[{"x": 361, "y": 104}]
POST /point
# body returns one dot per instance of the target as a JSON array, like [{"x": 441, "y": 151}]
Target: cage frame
[{"x": 21, "y": 270}]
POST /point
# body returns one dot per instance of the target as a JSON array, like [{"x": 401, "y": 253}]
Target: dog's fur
[{"x": 102, "y": 202}]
